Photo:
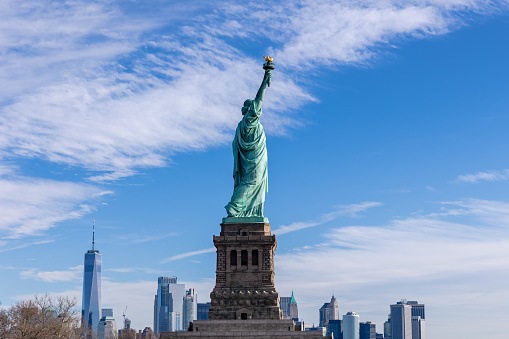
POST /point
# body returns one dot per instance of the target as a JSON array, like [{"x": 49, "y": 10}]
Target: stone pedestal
[
  {"x": 244, "y": 302},
  {"x": 245, "y": 287}
]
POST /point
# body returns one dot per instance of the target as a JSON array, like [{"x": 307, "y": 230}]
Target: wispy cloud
[
  {"x": 153, "y": 238},
  {"x": 29, "y": 206},
  {"x": 115, "y": 92},
  {"x": 46, "y": 41},
  {"x": 135, "y": 269},
  {"x": 7, "y": 267},
  {"x": 141, "y": 237},
  {"x": 189, "y": 254},
  {"x": 71, "y": 274},
  {"x": 351, "y": 210},
  {"x": 426, "y": 257},
  {"x": 11, "y": 245},
  {"x": 356, "y": 30},
  {"x": 484, "y": 176}
]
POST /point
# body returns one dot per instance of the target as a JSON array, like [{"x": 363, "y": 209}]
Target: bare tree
[
  {"x": 42, "y": 318},
  {"x": 127, "y": 334}
]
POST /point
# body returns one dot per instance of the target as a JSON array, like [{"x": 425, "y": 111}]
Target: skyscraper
[
  {"x": 91, "y": 303},
  {"x": 335, "y": 328},
  {"x": 367, "y": 330},
  {"x": 190, "y": 305},
  {"x": 284, "y": 305},
  {"x": 203, "y": 311},
  {"x": 351, "y": 326},
  {"x": 418, "y": 328},
  {"x": 294, "y": 309},
  {"x": 289, "y": 307},
  {"x": 107, "y": 312},
  {"x": 329, "y": 311},
  {"x": 168, "y": 305},
  {"x": 417, "y": 309},
  {"x": 107, "y": 328},
  {"x": 388, "y": 328},
  {"x": 401, "y": 320}
]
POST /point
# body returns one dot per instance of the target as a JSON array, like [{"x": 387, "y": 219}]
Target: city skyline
[{"x": 386, "y": 126}]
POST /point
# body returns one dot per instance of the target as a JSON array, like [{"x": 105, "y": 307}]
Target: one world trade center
[{"x": 91, "y": 304}]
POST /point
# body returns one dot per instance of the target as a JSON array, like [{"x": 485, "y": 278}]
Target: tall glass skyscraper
[
  {"x": 91, "y": 304},
  {"x": 168, "y": 305}
]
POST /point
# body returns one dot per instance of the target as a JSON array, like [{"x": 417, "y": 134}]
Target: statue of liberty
[{"x": 250, "y": 157}]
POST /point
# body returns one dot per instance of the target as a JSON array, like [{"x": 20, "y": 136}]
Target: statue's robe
[{"x": 249, "y": 166}]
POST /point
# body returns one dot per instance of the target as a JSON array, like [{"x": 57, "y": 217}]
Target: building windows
[
  {"x": 233, "y": 258},
  {"x": 254, "y": 260},
  {"x": 243, "y": 258}
]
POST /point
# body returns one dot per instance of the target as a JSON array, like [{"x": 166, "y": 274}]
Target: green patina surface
[
  {"x": 292, "y": 301},
  {"x": 250, "y": 159},
  {"x": 245, "y": 220}
]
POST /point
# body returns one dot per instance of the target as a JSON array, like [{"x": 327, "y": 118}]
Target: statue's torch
[{"x": 268, "y": 65}]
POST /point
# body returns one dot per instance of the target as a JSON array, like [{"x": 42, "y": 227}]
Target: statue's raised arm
[
  {"x": 261, "y": 92},
  {"x": 250, "y": 156}
]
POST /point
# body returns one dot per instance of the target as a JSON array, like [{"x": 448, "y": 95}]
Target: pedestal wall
[{"x": 245, "y": 278}]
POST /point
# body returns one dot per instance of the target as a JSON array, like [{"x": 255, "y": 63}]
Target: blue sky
[{"x": 386, "y": 127}]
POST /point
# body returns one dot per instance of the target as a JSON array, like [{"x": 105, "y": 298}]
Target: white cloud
[
  {"x": 10, "y": 245},
  {"x": 487, "y": 176},
  {"x": 46, "y": 41},
  {"x": 29, "y": 206},
  {"x": 135, "y": 269},
  {"x": 7, "y": 267},
  {"x": 140, "y": 239},
  {"x": 351, "y": 210},
  {"x": 346, "y": 34},
  {"x": 189, "y": 254},
  {"x": 115, "y": 92},
  {"x": 441, "y": 259},
  {"x": 492, "y": 213},
  {"x": 72, "y": 274},
  {"x": 311, "y": 34},
  {"x": 113, "y": 124}
]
